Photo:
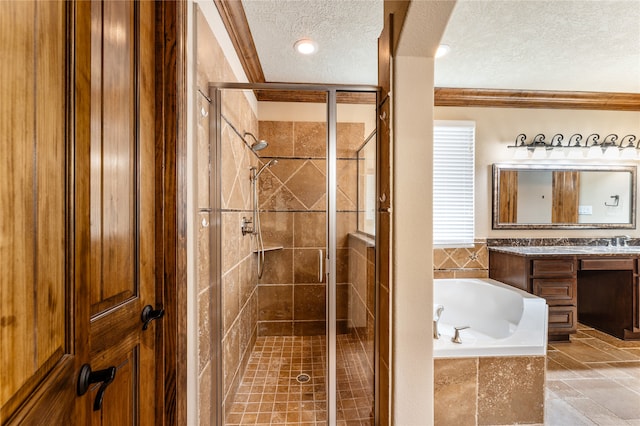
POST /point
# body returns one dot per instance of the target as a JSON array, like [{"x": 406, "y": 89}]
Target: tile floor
[
  {"x": 270, "y": 394},
  {"x": 594, "y": 380}
]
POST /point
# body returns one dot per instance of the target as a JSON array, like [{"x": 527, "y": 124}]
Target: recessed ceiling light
[
  {"x": 443, "y": 49},
  {"x": 305, "y": 46}
]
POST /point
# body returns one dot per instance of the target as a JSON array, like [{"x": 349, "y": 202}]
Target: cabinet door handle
[
  {"x": 320, "y": 265},
  {"x": 149, "y": 314},
  {"x": 87, "y": 377}
]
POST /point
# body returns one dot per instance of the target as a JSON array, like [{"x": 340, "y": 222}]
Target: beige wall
[
  {"x": 412, "y": 292},
  {"x": 496, "y": 128}
]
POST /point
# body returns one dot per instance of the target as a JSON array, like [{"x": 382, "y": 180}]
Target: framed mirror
[{"x": 537, "y": 196}]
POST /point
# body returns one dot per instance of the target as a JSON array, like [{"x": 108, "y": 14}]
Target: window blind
[{"x": 453, "y": 183}]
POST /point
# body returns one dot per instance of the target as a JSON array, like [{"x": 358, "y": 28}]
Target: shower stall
[{"x": 290, "y": 248}]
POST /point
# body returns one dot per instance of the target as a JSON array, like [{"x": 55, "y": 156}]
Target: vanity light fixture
[
  {"x": 575, "y": 148},
  {"x": 305, "y": 46}
]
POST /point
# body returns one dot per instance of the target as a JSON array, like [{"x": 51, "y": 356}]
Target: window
[{"x": 453, "y": 183}]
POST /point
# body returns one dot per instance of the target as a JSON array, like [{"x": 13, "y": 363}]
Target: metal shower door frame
[{"x": 331, "y": 207}]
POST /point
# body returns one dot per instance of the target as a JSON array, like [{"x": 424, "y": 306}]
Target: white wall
[
  {"x": 496, "y": 128},
  {"x": 596, "y": 191},
  {"x": 534, "y": 197},
  {"x": 412, "y": 296}
]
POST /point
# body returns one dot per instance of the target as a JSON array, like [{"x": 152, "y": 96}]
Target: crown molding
[{"x": 536, "y": 99}]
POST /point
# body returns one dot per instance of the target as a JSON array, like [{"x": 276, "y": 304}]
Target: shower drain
[{"x": 303, "y": 378}]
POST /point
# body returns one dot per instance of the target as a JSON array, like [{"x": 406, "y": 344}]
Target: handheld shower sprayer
[
  {"x": 254, "y": 174},
  {"x": 256, "y": 229}
]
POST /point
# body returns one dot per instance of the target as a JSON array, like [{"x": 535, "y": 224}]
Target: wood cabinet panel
[
  {"x": 566, "y": 189},
  {"x": 17, "y": 296},
  {"x": 508, "y": 196},
  {"x": 562, "y": 319},
  {"x": 553, "y": 267},
  {"x": 34, "y": 294},
  {"x": 509, "y": 269},
  {"x": 601, "y": 289},
  {"x": 607, "y": 264},
  {"x": 559, "y": 291},
  {"x": 113, "y": 152}
]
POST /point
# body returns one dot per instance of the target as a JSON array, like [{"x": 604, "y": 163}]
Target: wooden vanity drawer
[
  {"x": 557, "y": 291},
  {"x": 607, "y": 264},
  {"x": 553, "y": 267},
  {"x": 562, "y": 319}
]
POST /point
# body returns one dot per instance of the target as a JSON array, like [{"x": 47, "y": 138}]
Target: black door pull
[
  {"x": 88, "y": 377},
  {"x": 149, "y": 314}
]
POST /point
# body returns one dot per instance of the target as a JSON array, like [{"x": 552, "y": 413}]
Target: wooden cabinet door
[
  {"x": 40, "y": 341},
  {"x": 122, "y": 214},
  {"x": 77, "y": 237}
]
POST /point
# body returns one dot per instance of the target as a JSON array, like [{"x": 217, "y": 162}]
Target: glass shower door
[{"x": 296, "y": 313}]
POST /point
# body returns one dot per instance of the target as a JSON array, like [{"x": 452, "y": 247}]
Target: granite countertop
[{"x": 569, "y": 250}]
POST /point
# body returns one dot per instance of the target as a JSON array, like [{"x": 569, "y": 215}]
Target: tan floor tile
[
  {"x": 271, "y": 394},
  {"x": 582, "y": 351},
  {"x": 609, "y": 394},
  {"x": 577, "y": 368},
  {"x": 594, "y": 412},
  {"x": 560, "y": 413}
]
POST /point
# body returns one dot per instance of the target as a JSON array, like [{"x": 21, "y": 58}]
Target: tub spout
[
  {"x": 439, "y": 309},
  {"x": 456, "y": 337}
]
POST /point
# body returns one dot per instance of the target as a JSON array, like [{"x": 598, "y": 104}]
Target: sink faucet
[
  {"x": 621, "y": 240},
  {"x": 436, "y": 334}
]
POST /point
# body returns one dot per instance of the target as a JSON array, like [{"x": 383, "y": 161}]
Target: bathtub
[{"x": 502, "y": 320}]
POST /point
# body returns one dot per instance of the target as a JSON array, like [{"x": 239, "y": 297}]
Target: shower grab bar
[{"x": 320, "y": 265}]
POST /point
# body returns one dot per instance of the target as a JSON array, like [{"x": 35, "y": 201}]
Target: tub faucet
[
  {"x": 456, "y": 337},
  {"x": 436, "y": 334}
]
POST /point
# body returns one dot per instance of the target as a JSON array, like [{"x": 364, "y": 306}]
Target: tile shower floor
[
  {"x": 594, "y": 380},
  {"x": 270, "y": 394}
]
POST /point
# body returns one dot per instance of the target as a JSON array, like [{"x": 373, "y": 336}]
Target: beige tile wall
[
  {"x": 291, "y": 297},
  {"x": 461, "y": 262},
  {"x": 362, "y": 296},
  {"x": 238, "y": 280},
  {"x": 489, "y": 391}
]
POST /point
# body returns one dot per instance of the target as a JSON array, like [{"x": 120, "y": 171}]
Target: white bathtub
[{"x": 502, "y": 320}]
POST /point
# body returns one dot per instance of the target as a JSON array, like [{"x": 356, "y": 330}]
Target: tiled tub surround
[
  {"x": 293, "y": 199},
  {"x": 461, "y": 262},
  {"x": 497, "y": 374},
  {"x": 489, "y": 390}
]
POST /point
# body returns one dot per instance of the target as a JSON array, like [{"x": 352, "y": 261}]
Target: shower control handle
[{"x": 320, "y": 265}]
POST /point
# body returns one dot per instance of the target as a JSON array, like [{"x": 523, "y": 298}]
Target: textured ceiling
[
  {"x": 543, "y": 45},
  {"x": 575, "y": 45},
  {"x": 346, "y": 32}
]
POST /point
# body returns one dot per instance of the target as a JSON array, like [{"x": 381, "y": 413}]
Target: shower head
[{"x": 257, "y": 145}]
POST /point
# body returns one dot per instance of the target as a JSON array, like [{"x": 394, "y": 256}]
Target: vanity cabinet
[
  {"x": 599, "y": 290},
  {"x": 555, "y": 280}
]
